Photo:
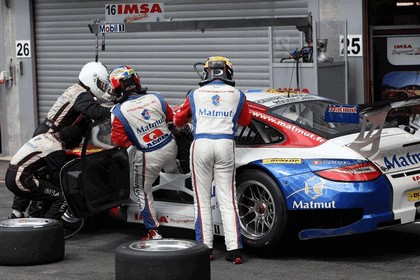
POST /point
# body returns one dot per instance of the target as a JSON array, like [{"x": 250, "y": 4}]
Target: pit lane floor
[{"x": 391, "y": 254}]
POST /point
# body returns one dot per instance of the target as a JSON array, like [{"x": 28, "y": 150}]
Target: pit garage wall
[
  {"x": 17, "y": 98},
  {"x": 164, "y": 60},
  {"x": 63, "y": 44}
]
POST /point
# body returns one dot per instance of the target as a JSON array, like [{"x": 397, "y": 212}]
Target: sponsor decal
[
  {"x": 413, "y": 195},
  {"x": 165, "y": 219},
  {"x": 146, "y": 114},
  {"x": 282, "y": 160},
  {"x": 403, "y": 50},
  {"x": 215, "y": 100},
  {"x": 282, "y": 99},
  {"x": 150, "y": 126},
  {"x": 342, "y": 113},
  {"x": 314, "y": 188},
  {"x": 157, "y": 140},
  {"x": 215, "y": 113},
  {"x": 416, "y": 178},
  {"x": 289, "y": 126},
  {"x": 313, "y": 205},
  {"x": 152, "y": 135},
  {"x": 329, "y": 161},
  {"x": 402, "y": 161},
  {"x": 133, "y": 12},
  {"x": 111, "y": 28}
]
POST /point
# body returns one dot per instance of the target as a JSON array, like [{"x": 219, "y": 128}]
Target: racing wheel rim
[{"x": 256, "y": 209}]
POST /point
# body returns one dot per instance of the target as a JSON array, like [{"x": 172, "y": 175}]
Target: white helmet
[{"x": 94, "y": 75}]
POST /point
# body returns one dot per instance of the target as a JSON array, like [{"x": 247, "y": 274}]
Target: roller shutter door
[{"x": 164, "y": 60}]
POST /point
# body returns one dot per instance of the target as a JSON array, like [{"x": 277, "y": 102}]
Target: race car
[{"x": 307, "y": 166}]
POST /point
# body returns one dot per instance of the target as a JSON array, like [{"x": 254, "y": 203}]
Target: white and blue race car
[{"x": 307, "y": 165}]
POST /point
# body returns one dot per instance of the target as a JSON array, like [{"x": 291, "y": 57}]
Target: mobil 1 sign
[
  {"x": 133, "y": 12},
  {"x": 113, "y": 27}
]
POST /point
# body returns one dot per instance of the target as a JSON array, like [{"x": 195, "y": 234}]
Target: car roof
[{"x": 271, "y": 98}]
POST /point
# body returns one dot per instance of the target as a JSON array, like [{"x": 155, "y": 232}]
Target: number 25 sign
[{"x": 354, "y": 45}]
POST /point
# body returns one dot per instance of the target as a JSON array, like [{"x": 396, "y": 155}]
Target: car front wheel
[{"x": 262, "y": 209}]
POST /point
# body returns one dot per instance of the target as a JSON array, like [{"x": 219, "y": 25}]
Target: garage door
[{"x": 164, "y": 60}]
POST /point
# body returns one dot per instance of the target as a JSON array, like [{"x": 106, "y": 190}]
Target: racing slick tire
[
  {"x": 173, "y": 259},
  {"x": 30, "y": 241},
  {"x": 262, "y": 210}
]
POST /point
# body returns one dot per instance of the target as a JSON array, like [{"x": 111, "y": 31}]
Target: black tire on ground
[
  {"x": 262, "y": 210},
  {"x": 30, "y": 241},
  {"x": 173, "y": 259}
]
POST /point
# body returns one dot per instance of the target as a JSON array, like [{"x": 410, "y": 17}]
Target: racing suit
[
  {"x": 75, "y": 106},
  {"x": 142, "y": 121},
  {"x": 24, "y": 178},
  {"x": 215, "y": 109}
]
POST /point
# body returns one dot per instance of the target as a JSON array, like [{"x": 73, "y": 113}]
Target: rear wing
[{"x": 375, "y": 114}]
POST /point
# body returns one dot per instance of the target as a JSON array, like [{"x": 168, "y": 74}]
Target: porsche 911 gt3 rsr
[{"x": 306, "y": 164}]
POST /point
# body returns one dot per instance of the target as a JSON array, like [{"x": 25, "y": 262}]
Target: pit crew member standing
[
  {"x": 215, "y": 108},
  {"x": 33, "y": 172},
  {"x": 78, "y": 105},
  {"x": 140, "y": 119}
]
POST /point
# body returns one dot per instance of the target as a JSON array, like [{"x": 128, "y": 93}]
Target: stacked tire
[
  {"x": 173, "y": 259},
  {"x": 31, "y": 241}
]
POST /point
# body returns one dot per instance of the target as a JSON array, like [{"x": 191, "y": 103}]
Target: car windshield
[{"x": 311, "y": 116}]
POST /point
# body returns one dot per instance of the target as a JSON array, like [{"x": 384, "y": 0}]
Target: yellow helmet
[{"x": 218, "y": 68}]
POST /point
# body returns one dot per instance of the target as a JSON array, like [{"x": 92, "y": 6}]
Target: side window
[{"x": 257, "y": 133}]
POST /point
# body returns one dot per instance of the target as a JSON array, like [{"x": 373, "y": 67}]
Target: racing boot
[
  {"x": 234, "y": 256},
  {"x": 151, "y": 235},
  {"x": 71, "y": 224}
]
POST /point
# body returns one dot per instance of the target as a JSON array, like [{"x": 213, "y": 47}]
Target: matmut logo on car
[{"x": 402, "y": 161}]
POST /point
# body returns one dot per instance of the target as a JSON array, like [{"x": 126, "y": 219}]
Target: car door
[{"x": 98, "y": 178}]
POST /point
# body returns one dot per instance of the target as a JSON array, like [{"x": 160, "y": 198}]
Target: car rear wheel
[
  {"x": 30, "y": 241},
  {"x": 173, "y": 259},
  {"x": 262, "y": 209}
]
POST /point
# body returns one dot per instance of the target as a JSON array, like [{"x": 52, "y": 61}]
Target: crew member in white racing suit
[
  {"x": 78, "y": 105},
  {"x": 141, "y": 120},
  {"x": 215, "y": 108},
  {"x": 33, "y": 172}
]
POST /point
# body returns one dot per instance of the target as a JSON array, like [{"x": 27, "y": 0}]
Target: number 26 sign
[
  {"x": 354, "y": 45},
  {"x": 23, "y": 48}
]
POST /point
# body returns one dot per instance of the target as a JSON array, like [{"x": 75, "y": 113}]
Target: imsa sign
[{"x": 133, "y": 12}]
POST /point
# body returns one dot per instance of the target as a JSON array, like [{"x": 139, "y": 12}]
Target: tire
[
  {"x": 173, "y": 259},
  {"x": 262, "y": 210},
  {"x": 30, "y": 241}
]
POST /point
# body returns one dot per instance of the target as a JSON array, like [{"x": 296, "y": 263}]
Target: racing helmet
[
  {"x": 217, "y": 68},
  {"x": 94, "y": 75},
  {"x": 125, "y": 81}
]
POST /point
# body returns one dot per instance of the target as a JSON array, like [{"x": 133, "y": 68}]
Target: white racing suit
[
  {"x": 142, "y": 122},
  {"x": 215, "y": 110},
  {"x": 24, "y": 179}
]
